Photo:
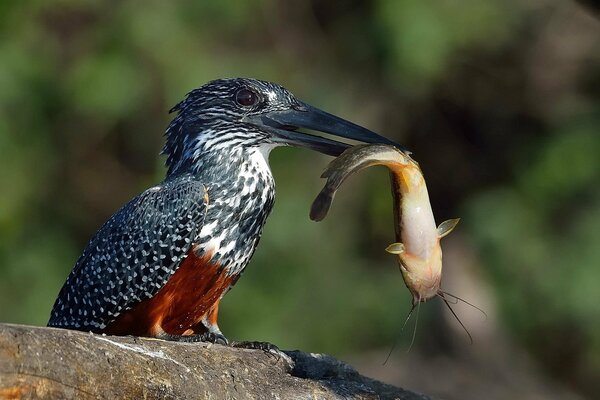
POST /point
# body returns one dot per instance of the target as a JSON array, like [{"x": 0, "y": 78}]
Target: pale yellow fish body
[{"x": 418, "y": 247}]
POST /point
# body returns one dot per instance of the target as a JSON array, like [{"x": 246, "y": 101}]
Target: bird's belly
[{"x": 187, "y": 297}]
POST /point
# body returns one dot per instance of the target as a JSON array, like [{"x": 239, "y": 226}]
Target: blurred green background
[{"x": 498, "y": 99}]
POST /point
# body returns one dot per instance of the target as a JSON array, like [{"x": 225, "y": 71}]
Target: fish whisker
[
  {"x": 401, "y": 330},
  {"x": 441, "y": 295},
  {"x": 457, "y": 299},
  {"x": 412, "y": 341}
]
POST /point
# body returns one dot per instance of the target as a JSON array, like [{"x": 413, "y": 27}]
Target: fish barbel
[{"x": 418, "y": 247}]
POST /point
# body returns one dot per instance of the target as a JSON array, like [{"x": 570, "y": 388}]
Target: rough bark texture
[{"x": 53, "y": 363}]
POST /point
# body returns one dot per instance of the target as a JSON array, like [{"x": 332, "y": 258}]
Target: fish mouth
[{"x": 284, "y": 125}]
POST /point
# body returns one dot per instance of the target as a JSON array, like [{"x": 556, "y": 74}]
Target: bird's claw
[
  {"x": 267, "y": 347},
  {"x": 206, "y": 337},
  {"x": 213, "y": 337}
]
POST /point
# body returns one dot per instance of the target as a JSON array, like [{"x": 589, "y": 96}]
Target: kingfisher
[{"x": 162, "y": 263}]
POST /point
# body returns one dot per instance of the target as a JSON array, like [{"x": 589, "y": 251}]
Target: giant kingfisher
[{"x": 161, "y": 264}]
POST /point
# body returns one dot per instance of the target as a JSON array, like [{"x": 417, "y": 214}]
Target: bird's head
[{"x": 242, "y": 113}]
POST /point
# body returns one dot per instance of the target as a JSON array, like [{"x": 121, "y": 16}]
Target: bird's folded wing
[{"x": 133, "y": 255}]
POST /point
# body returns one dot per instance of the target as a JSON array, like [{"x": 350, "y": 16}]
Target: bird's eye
[{"x": 246, "y": 97}]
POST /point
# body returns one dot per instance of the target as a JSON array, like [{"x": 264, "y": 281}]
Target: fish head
[{"x": 422, "y": 276}]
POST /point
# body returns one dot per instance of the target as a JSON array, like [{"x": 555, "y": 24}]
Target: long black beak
[{"x": 283, "y": 125}]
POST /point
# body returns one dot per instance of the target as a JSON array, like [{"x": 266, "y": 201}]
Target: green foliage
[
  {"x": 539, "y": 239},
  {"x": 425, "y": 36},
  {"x": 498, "y": 100}
]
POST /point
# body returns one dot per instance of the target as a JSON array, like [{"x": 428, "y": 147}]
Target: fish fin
[
  {"x": 395, "y": 248},
  {"x": 321, "y": 205},
  {"x": 447, "y": 226}
]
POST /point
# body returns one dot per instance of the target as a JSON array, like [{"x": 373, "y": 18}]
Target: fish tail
[
  {"x": 350, "y": 162},
  {"x": 320, "y": 207}
]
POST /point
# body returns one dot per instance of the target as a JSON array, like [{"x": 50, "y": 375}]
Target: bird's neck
[
  {"x": 228, "y": 167},
  {"x": 241, "y": 192}
]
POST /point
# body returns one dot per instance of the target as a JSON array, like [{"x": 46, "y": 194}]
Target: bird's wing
[{"x": 133, "y": 255}]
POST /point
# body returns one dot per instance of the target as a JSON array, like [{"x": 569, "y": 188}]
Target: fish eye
[{"x": 246, "y": 97}]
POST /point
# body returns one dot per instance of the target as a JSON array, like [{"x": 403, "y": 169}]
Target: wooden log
[{"x": 52, "y": 363}]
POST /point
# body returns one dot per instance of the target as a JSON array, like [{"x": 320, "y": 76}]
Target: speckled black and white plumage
[
  {"x": 233, "y": 224},
  {"x": 216, "y": 197},
  {"x": 133, "y": 255}
]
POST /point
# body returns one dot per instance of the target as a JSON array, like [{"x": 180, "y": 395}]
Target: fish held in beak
[{"x": 418, "y": 238}]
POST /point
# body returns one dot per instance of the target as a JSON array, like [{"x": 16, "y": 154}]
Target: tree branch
[{"x": 54, "y": 363}]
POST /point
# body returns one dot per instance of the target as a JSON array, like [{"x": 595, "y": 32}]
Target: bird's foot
[
  {"x": 267, "y": 347},
  {"x": 206, "y": 337},
  {"x": 264, "y": 346}
]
